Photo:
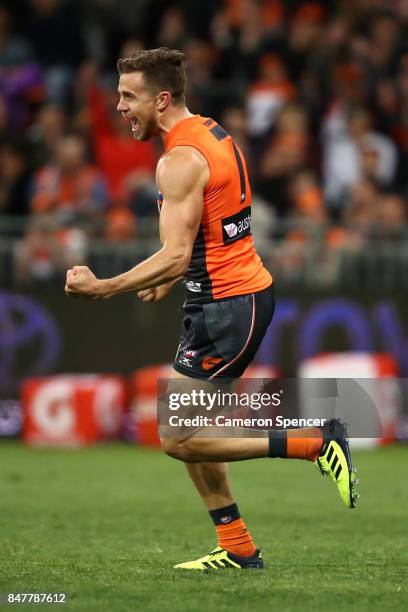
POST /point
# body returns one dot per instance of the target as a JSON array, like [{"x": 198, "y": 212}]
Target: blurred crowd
[{"x": 314, "y": 92}]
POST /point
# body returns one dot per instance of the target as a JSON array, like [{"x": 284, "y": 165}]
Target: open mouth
[{"x": 135, "y": 125}]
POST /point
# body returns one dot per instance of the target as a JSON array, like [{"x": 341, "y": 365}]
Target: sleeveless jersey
[{"x": 224, "y": 262}]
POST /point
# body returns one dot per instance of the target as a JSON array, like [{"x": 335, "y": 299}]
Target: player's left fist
[{"x": 81, "y": 282}]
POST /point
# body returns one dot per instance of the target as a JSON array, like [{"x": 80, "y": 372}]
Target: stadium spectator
[
  {"x": 361, "y": 209},
  {"x": 172, "y": 32},
  {"x": 356, "y": 151},
  {"x": 14, "y": 48},
  {"x": 117, "y": 155},
  {"x": 308, "y": 222},
  {"x": 307, "y": 197},
  {"x": 53, "y": 27},
  {"x": 288, "y": 152},
  {"x": 305, "y": 33},
  {"x": 46, "y": 250},
  {"x": 268, "y": 95},
  {"x": 21, "y": 87},
  {"x": 120, "y": 225},
  {"x": 200, "y": 92},
  {"x": 46, "y": 132},
  {"x": 394, "y": 116},
  {"x": 391, "y": 218},
  {"x": 69, "y": 185},
  {"x": 15, "y": 177},
  {"x": 257, "y": 33},
  {"x": 385, "y": 40}
]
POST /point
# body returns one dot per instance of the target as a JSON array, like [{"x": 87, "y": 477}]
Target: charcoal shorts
[{"x": 219, "y": 339}]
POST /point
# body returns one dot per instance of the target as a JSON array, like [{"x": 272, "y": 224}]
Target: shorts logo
[
  {"x": 193, "y": 286},
  {"x": 210, "y": 362},
  {"x": 190, "y": 354},
  {"x": 236, "y": 226},
  {"x": 185, "y": 362}
]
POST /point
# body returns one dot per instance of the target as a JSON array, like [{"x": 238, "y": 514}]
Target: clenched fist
[{"x": 81, "y": 282}]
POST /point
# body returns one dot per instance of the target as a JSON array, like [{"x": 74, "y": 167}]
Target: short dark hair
[{"x": 163, "y": 69}]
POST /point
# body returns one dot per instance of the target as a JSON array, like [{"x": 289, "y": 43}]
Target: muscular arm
[{"x": 181, "y": 177}]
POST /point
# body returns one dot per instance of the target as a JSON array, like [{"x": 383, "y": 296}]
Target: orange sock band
[
  {"x": 236, "y": 538},
  {"x": 304, "y": 443}
]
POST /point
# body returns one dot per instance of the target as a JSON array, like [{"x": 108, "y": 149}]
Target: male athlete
[{"x": 205, "y": 202}]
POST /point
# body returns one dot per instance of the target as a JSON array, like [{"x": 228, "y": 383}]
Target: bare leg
[
  {"x": 202, "y": 446},
  {"x": 210, "y": 478},
  {"x": 212, "y": 483},
  {"x": 194, "y": 450}
]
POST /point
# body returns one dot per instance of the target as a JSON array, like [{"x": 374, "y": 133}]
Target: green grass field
[{"x": 105, "y": 525}]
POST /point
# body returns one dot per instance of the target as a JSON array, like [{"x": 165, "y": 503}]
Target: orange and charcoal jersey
[{"x": 224, "y": 262}]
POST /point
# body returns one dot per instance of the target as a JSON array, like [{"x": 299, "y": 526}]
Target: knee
[
  {"x": 171, "y": 447},
  {"x": 182, "y": 450}
]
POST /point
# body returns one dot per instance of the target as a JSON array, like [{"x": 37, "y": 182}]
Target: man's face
[{"x": 138, "y": 105}]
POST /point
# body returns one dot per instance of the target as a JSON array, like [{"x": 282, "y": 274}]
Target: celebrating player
[{"x": 205, "y": 231}]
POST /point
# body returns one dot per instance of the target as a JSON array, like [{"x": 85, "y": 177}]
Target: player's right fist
[{"x": 82, "y": 282}]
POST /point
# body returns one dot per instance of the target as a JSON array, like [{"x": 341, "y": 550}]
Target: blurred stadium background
[{"x": 316, "y": 95}]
